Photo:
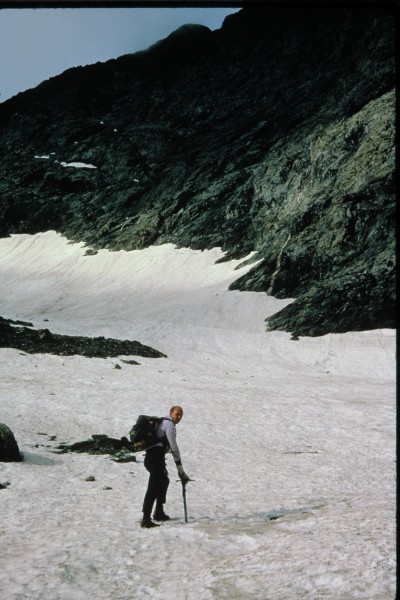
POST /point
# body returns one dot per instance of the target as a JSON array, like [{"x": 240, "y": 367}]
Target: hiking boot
[
  {"x": 148, "y": 524},
  {"x": 159, "y": 515}
]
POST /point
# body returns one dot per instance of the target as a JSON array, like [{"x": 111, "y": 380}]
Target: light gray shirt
[{"x": 167, "y": 429}]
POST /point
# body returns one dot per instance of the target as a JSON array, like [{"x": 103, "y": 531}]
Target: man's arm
[{"x": 170, "y": 433}]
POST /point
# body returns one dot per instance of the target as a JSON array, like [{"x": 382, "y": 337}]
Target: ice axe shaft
[
  {"x": 184, "y": 500},
  {"x": 184, "y": 497}
]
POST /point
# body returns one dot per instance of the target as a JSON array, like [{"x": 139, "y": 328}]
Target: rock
[
  {"x": 102, "y": 444},
  {"x": 9, "y": 451},
  {"x": 124, "y": 458},
  {"x": 42, "y": 340},
  {"x": 130, "y": 362},
  {"x": 90, "y": 478},
  {"x": 45, "y": 335},
  {"x": 274, "y": 134}
]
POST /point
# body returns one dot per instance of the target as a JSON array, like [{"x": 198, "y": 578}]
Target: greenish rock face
[
  {"x": 274, "y": 134},
  {"x": 336, "y": 251}
]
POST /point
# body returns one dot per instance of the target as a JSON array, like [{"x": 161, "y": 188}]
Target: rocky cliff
[{"x": 275, "y": 133}]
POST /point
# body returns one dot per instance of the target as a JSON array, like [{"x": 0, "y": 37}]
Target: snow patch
[{"x": 78, "y": 165}]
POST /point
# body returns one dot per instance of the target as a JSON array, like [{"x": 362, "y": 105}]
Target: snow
[
  {"x": 78, "y": 165},
  {"x": 291, "y": 443}
]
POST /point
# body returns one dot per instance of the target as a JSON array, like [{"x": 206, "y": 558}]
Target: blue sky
[{"x": 36, "y": 44}]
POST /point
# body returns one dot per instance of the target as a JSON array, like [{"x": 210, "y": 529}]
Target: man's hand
[{"x": 182, "y": 475}]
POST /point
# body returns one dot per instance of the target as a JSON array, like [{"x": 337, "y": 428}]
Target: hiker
[{"x": 155, "y": 464}]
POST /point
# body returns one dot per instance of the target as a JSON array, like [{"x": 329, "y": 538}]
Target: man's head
[{"x": 176, "y": 413}]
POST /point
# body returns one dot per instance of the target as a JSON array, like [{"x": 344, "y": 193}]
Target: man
[{"x": 155, "y": 464}]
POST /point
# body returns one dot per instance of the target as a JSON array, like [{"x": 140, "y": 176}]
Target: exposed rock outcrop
[
  {"x": 275, "y": 133},
  {"x": 121, "y": 449},
  {"x": 9, "y": 451},
  {"x": 44, "y": 341}
]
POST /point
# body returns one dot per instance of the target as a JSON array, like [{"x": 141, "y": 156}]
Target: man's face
[{"x": 176, "y": 415}]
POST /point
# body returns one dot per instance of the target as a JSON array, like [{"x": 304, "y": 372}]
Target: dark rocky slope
[
  {"x": 21, "y": 335},
  {"x": 274, "y": 133}
]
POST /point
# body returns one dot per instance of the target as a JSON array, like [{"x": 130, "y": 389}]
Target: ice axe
[{"x": 184, "y": 497}]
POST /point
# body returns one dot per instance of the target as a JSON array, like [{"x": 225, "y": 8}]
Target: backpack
[{"x": 143, "y": 432}]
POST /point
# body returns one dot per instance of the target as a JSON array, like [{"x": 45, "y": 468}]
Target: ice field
[{"x": 292, "y": 444}]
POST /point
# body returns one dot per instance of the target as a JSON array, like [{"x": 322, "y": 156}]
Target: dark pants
[{"x": 158, "y": 479}]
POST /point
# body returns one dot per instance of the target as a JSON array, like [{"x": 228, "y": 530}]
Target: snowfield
[{"x": 291, "y": 443}]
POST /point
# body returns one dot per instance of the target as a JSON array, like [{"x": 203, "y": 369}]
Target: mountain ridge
[{"x": 274, "y": 134}]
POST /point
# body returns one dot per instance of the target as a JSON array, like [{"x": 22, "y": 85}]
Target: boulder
[{"x": 9, "y": 451}]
